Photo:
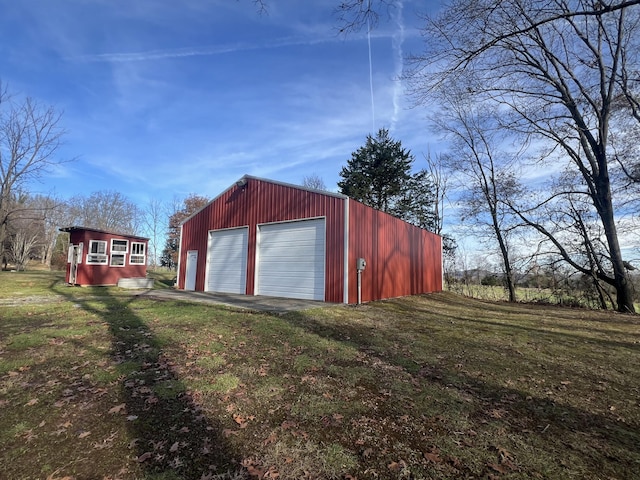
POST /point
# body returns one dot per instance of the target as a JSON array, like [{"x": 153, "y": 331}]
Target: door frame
[
  {"x": 191, "y": 270},
  {"x": 259, "y": 233},
  {"x": 76, "y": 258},
  {"x": 246, "y": 233}
]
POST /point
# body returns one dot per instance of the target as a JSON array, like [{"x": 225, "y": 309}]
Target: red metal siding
[
  {"x": 401, "y": 259},
  {"x": 90, "y": 274},
  {"x": 265, "y": 202}
]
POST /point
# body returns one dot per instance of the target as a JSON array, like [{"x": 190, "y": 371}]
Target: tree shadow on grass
[
  {"x": 611, "y": 442},
  {"x": 170, "y": 435},
  {"x": 555, "y": 327}
]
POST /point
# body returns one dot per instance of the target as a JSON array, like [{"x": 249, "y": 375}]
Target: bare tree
[
  {"x": 49, "y": 213},
  {"x": 154, "y": 224},
  {"x": 485, "y": 173},
  {"x": 22, "y": 245},
  {"x": 564, "y": 73},
  {"x": 440, "y": 183},
  {"x": 29, "y": 137},
  {"x": 314, "y": 181},
  {"x": 107, "y": 210}
]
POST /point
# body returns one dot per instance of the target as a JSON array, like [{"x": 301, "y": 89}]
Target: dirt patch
[{"x": 30, "y": 300}]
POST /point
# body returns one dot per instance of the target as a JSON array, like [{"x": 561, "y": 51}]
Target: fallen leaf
[
  {"x": 144, "y": 457},
  {"x": 504, "y": 454},
  {"x": 174, "y": 447},
  {"x": 397, "y": 466},
  {"x": 497, "y": 468},
  {"x": 84, "y": 434},
  {"x": 269, "y": 440},
  {"x": 31, "y": 402},
  {"x": 131, "y": 418},
  {"x": 288, "y": 424},
  {"x": 432, "y": 456},
  {"x": 272, "y": 473},
  {"x": 118, "y": 408}
]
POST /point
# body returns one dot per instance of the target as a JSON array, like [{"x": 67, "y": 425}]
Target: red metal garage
[
  {"x": 262, "y": 237},
  {"x": 97, "y": 257}
]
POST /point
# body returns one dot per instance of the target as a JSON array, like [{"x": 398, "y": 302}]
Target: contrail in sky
[
  {"x": 373, "y": 107},
  {"x": 398, "y": 40}
]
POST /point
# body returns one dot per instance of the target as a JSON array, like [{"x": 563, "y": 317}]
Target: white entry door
[
  {"x": 291, "y": 259},
  {"x": 76, "y": 258},
  {"x": 227, "y": 260},
  {"x": 192, "y": 268}
]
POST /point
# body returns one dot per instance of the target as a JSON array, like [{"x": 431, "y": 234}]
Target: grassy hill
[{"x": 96, "y": 383}]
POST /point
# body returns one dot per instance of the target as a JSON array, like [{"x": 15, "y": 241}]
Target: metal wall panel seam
[{"x": 345, "y": 260}]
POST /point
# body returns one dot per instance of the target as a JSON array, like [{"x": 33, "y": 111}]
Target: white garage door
[
  {"x": 227, "y": 261},
  {"x": 291, "y": 259}
]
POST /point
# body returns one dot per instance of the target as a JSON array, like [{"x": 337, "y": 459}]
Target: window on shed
[
  {"x": 119, "y": 245},
  {"x": 117, "y": 260},
  {"x": 97, "y": 252},
  {"x": 137, "y": 253}
]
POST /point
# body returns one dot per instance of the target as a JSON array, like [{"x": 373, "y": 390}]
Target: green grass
[{"x": 98, "y": 383}]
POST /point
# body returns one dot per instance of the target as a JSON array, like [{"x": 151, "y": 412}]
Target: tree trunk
[
  {"x": 624, "y": 292},
  {"x": 508, "y": 271}
]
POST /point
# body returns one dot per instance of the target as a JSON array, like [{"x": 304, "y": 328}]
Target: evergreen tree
[
  {"x": 379, "y": 175},
  {"x": 191, "y": 204}
]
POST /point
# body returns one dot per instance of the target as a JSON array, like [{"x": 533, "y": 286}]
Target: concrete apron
[{"x": 248, "y": 302}]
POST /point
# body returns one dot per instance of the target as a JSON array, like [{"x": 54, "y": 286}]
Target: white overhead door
[
  {"x": 291, "y": 259},
  {"x": 227, "y": 261}
]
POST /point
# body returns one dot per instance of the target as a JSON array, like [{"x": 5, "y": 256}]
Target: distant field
[
  {"x": 526, "y": 295},
  {"x": 96, "y": 383}
]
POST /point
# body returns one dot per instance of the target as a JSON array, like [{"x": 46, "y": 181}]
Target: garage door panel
[
  {"x": 227, "y": 261},
  {"x": 291, "y": 259}
]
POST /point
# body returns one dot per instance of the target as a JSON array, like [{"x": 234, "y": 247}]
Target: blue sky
[{"x": 163, "y": 98}]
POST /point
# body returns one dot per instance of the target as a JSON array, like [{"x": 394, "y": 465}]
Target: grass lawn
[{"x": 96, "y": 383}]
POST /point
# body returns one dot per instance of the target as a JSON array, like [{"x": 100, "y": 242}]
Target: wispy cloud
[{"x": 202, "y": 51}]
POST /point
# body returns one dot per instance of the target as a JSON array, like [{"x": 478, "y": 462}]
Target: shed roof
[{"x": 75, "y": 228}]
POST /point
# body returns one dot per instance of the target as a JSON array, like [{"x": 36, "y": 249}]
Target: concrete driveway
[{"x": 248, "y": 302}]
